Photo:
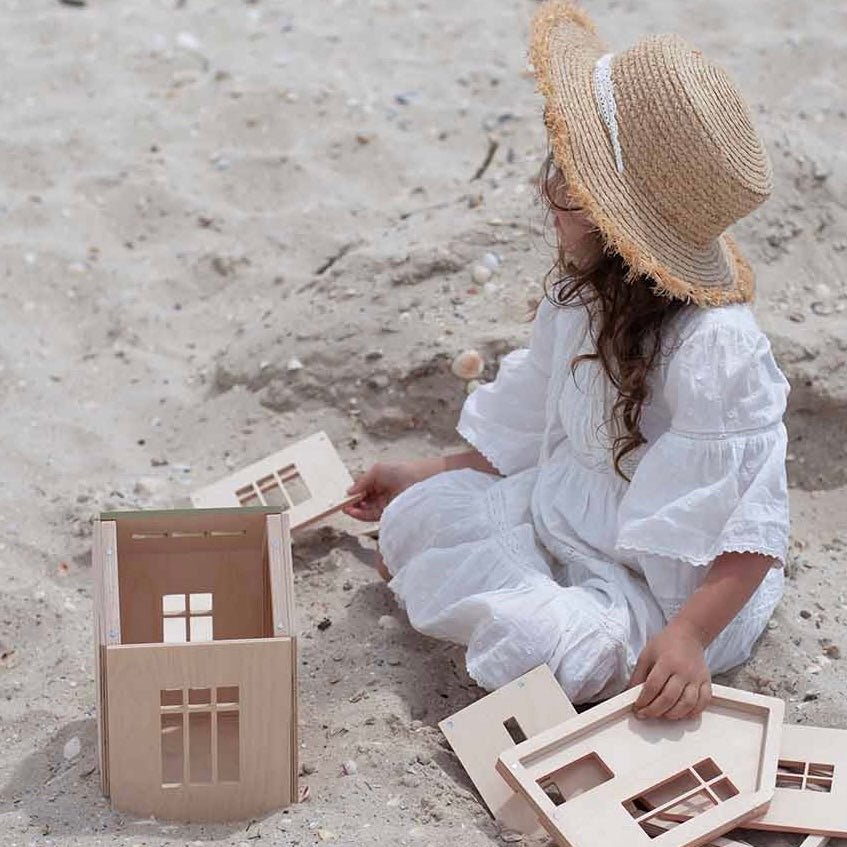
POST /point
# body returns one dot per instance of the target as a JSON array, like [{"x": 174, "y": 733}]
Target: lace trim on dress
[{"x": 705, "y": 561}]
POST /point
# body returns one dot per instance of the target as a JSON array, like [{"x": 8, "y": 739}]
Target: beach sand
[{"x": 225, "y": 226}]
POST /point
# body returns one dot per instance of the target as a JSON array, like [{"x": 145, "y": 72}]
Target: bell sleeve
[
  {"x": 505, "y": 419},
  {"x": 715, "y": 482}
]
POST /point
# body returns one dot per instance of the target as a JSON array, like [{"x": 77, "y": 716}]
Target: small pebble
[
  {"x": 294, "y": 364},
  {"x": 350, "y": 768},
  {"x": 324, "y": 624},
  {"x": 491, "y": 261},
  {"x": 819, "y": 307},
  {"x": 307, "y": 768},
  {"x": 805, "y": 614},
  {"x": 187, "y": 41},
  {"x": 481, "y": 274},
  {"x": 472, "y": 386},
  {"x": 832, "y": 651},
  {"x": 388, "y": 622},
  {"x": 511, "y": 837},
  {"x": 72, "y": 748},
  {"x": 468, "y": 365}
]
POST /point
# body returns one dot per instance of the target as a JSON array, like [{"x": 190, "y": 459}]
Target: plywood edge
[
  {"x": 295, "y": 722},
  {"x": 99, "y": 657},
  {"x": 155, "y": 514},
  {"x": 281, "y": 574},
  {"x": 537, "y": 747}
]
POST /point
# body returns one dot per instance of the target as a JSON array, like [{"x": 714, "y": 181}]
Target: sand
[{"x": 196, "y": 194}]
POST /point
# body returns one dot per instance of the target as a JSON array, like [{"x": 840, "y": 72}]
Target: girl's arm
[
  {"x": 672, "y": 666},
  {"x": 385, "y": 480}
]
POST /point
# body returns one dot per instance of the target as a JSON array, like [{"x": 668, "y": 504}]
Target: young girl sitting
[{"x": 623, "y": 515}]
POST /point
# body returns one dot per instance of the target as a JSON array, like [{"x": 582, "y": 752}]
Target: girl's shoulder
[{"x": 733, "y": 320}]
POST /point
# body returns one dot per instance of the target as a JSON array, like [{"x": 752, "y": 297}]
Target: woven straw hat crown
[{"x": 665, "y": 164}]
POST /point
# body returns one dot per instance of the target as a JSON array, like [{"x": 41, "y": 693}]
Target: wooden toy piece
[
  {"x": 482, "y": 731},
  {"x": 811, "y": 783},
  {"x": 196, "y": 662},
  {"x": 587, "y": 779},
  {"x": 308, "y": 480}
]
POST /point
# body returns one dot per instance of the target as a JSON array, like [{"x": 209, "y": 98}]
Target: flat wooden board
[
  {"x": 183, "y": 747},
  {"x": 308, "y": 480},
  {"x": 587, "y": 778},
  {"x": 478, "y": 735},
  {"x": 811, "y": 783}
]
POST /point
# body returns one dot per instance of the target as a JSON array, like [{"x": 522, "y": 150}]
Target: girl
[{"x": 623, "y": 515}]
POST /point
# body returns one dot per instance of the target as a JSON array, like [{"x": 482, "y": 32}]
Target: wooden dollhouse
[{"x": 196, "y": 661}]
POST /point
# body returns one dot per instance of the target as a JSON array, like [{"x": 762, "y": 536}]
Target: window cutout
[
  {"x": 200, "y": 603},
  {"x": 173, "y": 604},
  {"x": 201, "y": 628},
  {"x": 655, "y": 825},
  {"x": 670, "y": 789},
  {"x": 514, "y": 729},
  {"x": 576, "y": 778},
  {"x": 248, "y": 496},
  {"x": 814, "y": 784},
  {"x": 180, "y": 534},
  {"x": 553, "y": 792},
  {"x": 707, "y": 770},
  {"x": 296, "y": 489},
  {"x": 802, "y": 776},
  {"x": 172, "y": 742},
  {"x": 199, "y": 696},
  {"x": 272, "y": 493},
  {"x": 227, "y": 695},
  {"x": 229, "y": 769},
  {"x": 822, "y": 770},
  {"x": 200, "y": 746},
  {"x": 798, "y": 768},
  {"x": 686, "y": 794},
  {"x": 227, "y": 533},
  {"x": 723, "y": 789},
  {"x": 171, "y": 697},
  {"x": 173, "y": 630}
]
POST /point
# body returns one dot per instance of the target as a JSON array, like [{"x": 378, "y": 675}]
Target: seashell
[{"x": 468, "y": 365}]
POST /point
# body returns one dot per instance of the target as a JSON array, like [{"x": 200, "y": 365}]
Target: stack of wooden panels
[{"x": 607, "y": 777}]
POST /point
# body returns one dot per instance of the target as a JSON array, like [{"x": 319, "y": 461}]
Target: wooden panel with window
[{"x": 195, "y": 646}]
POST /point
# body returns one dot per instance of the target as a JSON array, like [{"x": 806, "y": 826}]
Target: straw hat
[{"x": 657, "y": 145}]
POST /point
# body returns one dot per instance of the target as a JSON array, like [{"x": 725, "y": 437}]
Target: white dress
[{"x": 561, "y": 561}]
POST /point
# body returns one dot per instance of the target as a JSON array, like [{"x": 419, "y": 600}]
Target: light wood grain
[
  {"x": 739, "y": 731},
  {"x": 281, "y": 570},
  {"x": 107, "y": 627},
  {"x": 478, "y": 736},
  {"x": 808, "y": 811},
  {"x": 320, "y": 467},
  {"x": 264, "y": 671}
]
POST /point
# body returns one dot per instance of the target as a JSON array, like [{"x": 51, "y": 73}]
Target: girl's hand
[
  {"x": 672, "y": 666},
  {"x": 381, "y": 483}
]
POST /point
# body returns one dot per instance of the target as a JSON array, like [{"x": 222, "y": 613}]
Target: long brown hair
[{"x": 626, "y": 321}]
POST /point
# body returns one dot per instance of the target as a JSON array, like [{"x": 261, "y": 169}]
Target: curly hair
[{"x": 627, "y": 316}]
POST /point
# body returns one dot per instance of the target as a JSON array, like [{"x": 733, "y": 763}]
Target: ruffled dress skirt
[{"x": 471, "y": 563}]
